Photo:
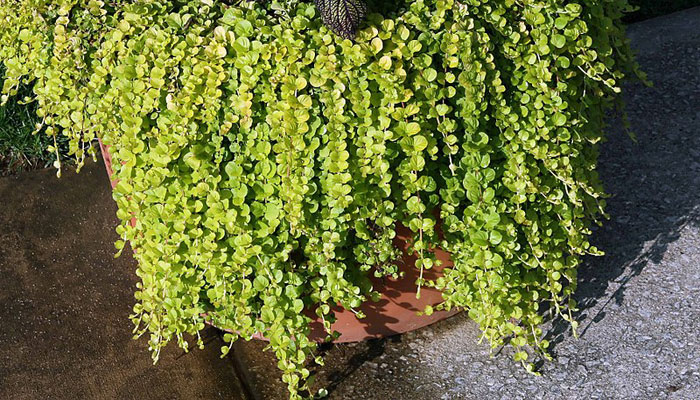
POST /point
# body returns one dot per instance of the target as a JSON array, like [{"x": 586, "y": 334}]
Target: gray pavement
[{"x": 64, "y": 301}]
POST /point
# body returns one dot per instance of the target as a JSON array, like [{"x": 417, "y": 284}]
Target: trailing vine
[{"x": 267, "y": 161}]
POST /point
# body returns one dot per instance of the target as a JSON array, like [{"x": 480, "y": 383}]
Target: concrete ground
[{"x": 64, "y": 300}]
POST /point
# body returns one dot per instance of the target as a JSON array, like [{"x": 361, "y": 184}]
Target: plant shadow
[
  {"x": 654, "y": 186},
  {"x": 352, "y": 357}
]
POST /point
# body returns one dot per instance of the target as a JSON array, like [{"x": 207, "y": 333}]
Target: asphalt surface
[{"x": 64, "y": 301}]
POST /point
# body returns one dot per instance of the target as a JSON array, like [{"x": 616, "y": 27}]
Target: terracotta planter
[{"x": 395, "y": 312}]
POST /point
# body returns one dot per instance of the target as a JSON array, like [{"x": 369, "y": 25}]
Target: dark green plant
[
  {"x": 644, "y": 9},
  {"x": 22, "y": 147},
  {"x": 268, "y": 161},
  {"x": 342, "y": 16}
]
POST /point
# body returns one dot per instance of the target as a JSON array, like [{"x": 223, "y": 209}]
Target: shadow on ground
[{"x": 654, "y": 183}]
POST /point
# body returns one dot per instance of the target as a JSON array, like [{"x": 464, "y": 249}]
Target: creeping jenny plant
[{"x": 267, "y": 160}]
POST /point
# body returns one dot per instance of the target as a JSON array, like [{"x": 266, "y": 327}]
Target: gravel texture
[{"x": 640, "y": 303}]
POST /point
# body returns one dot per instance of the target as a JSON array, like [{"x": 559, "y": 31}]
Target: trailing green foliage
[{"x": 267, "y": 161}]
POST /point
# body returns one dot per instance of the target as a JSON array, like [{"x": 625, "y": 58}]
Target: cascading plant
[{"x": 267, "y": 160}]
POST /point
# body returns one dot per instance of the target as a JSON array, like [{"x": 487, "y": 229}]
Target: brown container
[{"x": 397, "y": 309}]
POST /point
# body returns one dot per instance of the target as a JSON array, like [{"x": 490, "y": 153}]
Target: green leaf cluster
[{"x": 267, "y": 161}]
